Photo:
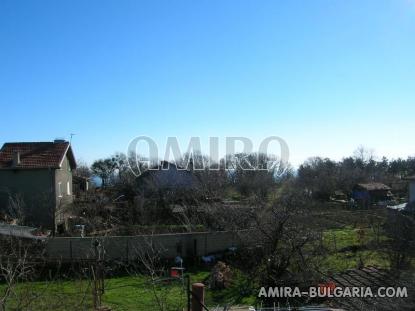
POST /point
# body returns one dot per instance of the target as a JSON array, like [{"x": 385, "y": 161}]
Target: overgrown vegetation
[{"x": 297, "y": 235}]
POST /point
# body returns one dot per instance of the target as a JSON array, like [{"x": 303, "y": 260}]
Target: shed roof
[
  {"x": 36, "y": 155},
  {"x": 167, "y": 176},
  {"x": 373, "y": 186}
]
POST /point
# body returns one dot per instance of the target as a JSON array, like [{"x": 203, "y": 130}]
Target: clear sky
[{"x": 326, "y": 76}]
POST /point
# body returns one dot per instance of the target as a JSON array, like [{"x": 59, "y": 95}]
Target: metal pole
[{"x": 188, "y": 292}]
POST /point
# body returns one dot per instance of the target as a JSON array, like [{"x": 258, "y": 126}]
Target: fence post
[
  {"x": 206, "y": 244},
  {"x": 334, "y": 241},
  {"x": 198, "y": 297},
  {"x": 189, "y": 295},
  {"x": 70, "y": 250},
  {"x": 127, "y": 250}
]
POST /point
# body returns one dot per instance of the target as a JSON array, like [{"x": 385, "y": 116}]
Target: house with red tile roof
[{"x": 37, "y": 178}]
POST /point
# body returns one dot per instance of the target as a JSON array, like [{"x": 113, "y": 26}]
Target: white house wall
[{"x": 412, "y": 191}]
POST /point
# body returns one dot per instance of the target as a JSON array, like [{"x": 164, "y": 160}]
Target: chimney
[{"x": 16, "y": 158}]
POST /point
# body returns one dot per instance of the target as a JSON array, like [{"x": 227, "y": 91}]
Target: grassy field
[
  {"x": 121, "y": 293},
  {"x": 130, "y": 293},
  {"x": 350, "y": 248}
]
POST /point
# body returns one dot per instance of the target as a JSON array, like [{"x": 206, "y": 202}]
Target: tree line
[{"x": 320, "y": 177}]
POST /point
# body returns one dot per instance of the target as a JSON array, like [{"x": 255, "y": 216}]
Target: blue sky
[{"x": 326, "y": 76}]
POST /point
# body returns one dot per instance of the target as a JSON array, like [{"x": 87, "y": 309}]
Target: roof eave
[
  {"x": 68, "y": 152},
  {"x": 28, "y": 168}
]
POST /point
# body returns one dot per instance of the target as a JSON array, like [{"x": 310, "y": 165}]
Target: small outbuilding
[
  {"x": 339, "y": 197},
  {"x": 80, "y": 185},
  {"x": 373, "y": 193}
]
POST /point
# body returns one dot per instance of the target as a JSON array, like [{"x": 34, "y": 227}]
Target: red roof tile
[{"x": 36, "y": 155}]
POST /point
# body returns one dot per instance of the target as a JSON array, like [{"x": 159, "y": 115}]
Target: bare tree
[
  {"x": 375, "y": 223},
  {"x": 254, "y": 174},
  {"x": 401, "y": 230},
  {"x": 17, "y": 208},
  {"x": 82, "y": 169},
  {"x": 281, "y": 236},
  {"x": 16, "y": 266},
  {"x": 364, "y": 154},
  {"x": 149, "y": 263},
  {"x": 104, "y": 169}
]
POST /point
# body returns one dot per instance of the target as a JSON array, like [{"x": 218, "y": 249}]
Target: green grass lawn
[
  {"x": 130, "y": 293},
  {"x": 348, "y": 248},
  {"x": 56, "y": 295},
  {"x": 122, "y": 293}
]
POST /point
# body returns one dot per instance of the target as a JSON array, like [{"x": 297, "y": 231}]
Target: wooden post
[
  {"x": 127, "y": 251},
  {"x": 97, "y": 276},
  {"x": 70, "y": 250},
  {"x": 189, "y": 296},
  {"x": 198, "y": 297}
]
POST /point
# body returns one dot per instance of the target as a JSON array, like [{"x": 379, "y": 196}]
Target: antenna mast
[{"x": 72, "y": 135}]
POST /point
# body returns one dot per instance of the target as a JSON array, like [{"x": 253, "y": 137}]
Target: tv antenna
[{"x": 72, "y": 135}]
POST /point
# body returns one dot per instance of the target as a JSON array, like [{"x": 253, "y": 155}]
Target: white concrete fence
[{"x": 131, "y": 247}]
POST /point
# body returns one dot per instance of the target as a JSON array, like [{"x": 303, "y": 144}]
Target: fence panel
[{"x": 129, "y": 247}]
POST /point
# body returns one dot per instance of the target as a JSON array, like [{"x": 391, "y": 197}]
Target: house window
[
  {"x": 68, "y": 188},
  {"x": 59, "y": 189}
]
